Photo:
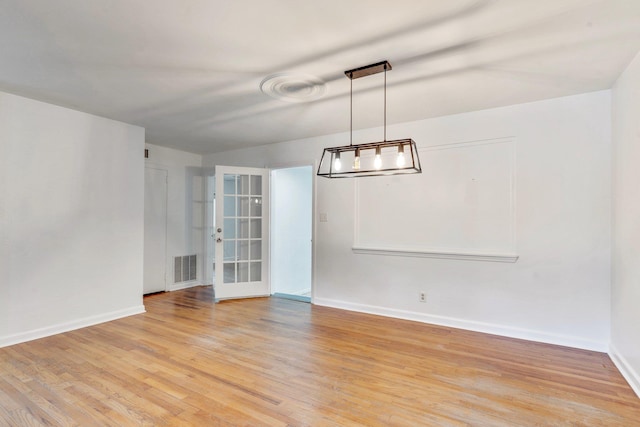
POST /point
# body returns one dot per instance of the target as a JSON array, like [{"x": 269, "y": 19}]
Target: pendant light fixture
[{"x": 384, "y": 157}]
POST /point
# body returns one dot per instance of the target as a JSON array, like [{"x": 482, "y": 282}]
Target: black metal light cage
[
  {"x": 397, "y": 157},
  {"x": 388, "y": 151}
]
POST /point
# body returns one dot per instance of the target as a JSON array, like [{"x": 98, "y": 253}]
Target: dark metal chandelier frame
[{"x": 372, "y": 158}]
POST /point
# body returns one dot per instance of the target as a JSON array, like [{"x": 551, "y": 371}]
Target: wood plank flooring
[{"x": 276, "y": 362}]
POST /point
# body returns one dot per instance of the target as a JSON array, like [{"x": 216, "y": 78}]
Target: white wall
[
  {"x": 185, "y": 207},
  {"x": 625, "y": 308},
  {"x": 291, "y": 230},
  {"x": 71, "y": 219},
  {"x": 559, "y": 289}
]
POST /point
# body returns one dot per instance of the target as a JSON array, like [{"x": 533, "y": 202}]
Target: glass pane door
[{"x": 241, "y": 232}]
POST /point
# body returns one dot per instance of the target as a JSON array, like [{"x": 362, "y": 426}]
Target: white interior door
[
  {"x": 155, "y": 230},
  {"x": 241, "y": 232}
]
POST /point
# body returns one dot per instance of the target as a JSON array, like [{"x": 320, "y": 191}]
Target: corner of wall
[
  {"x": 625, "y": 290},
  {"x": 625, "y": 368}
]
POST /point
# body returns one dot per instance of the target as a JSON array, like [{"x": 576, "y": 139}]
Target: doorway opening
[
  {"x": 291, "y": 232},
  {"x": 155, "y": 230}
]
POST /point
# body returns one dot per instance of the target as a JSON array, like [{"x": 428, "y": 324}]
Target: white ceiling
[{"x": 189, "y": 71}]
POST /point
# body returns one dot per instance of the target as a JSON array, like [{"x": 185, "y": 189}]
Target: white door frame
[
  {"x": 210, "y": 233},
  {"x": 209, "y": 229},
  {"x": 314, "y": 168}
]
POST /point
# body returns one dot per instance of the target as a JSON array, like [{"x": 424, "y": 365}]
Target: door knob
[{"x": 218, "y": 240}]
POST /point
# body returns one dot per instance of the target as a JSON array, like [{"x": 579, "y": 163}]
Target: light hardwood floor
[{"x": 278, "y": 362}]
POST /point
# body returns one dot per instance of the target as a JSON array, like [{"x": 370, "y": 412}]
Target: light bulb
[
  {"x": 356, "y": 160},
  {"x": 337, "y": 164},
  {"x": 400, "y": 160},
  {"x": 377, "y": 161}
]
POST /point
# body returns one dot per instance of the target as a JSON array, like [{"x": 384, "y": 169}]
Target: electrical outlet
[{"x": 423, "y": 297}]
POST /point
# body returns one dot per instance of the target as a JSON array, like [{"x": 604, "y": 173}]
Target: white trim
[
  {"x": 300, "y": 293},
  {"x": 314, "y": 168},
  {"x": 450, "y": 253},
  {"x": 184, "y": 285},
  {"x": 487, "y": 328},
  {"x": 69, "y": 326},
  {"x": 314, "y": 227},
  {"x": 208, "y": 241},
  {"x": 627, "y": 371},
  {"x": 289, "y": 165},
  {"x": 514, "y": 192},
  {"x": 432, "y": 253}
]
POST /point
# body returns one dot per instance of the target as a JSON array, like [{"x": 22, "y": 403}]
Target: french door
[{"x": 241, "y": 232}]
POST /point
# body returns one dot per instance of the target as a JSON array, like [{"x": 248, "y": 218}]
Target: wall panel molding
[
  {"x": 463, "y": 205},
  {"x": 425, "y": 253}
]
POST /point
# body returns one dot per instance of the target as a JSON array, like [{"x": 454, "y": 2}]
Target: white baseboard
[
  {"x": 627, "y": 371},
  {"x": 488, "y": 328},
  {"x": 302, "y": 292},
  {"x": 184, "y": 285},
  {"x": 69, "y": 326}
]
